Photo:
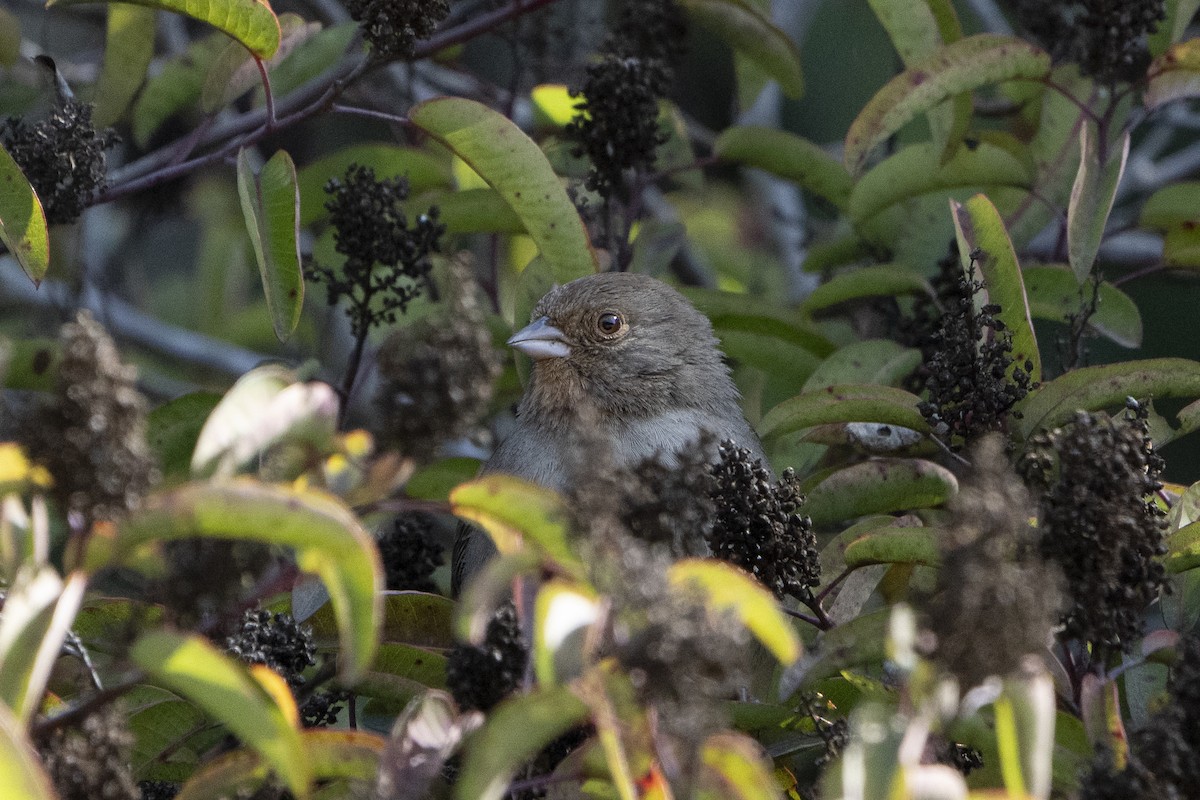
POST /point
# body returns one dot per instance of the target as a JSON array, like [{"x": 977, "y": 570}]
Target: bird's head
[{"x": 625, "y": 344}]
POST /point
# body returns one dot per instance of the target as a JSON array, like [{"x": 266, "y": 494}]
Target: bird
[{"x": 622, "y": 359}]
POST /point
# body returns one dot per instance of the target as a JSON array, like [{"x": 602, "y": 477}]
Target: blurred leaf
[
  {"x": 733, "y": 768},
  {"x": 516, "y": 514},
  {"x": 1092, "y": 198},
  {"x": 656, "y": 246},
  {"x": 860, "y": 642},
  {"x": 476, "y": 211},
  {"x": 877, "y": 361},
  {"x": 422, "y": 170},
  {"x": 1174, "y": 75},
  {"x": 22, "y": 221},
  {"x": 400, "y": 673},
  {"x": 176, "y": 87},
  {"x": 197, "y": 670},
  {"x": 879, "y": 486},
  {"x": 895, "y": 546},
  {"x": 1172, "y": 206},
  {"x": 411, "y": 618},
  {"x": 1028, "y": 702},
  {"x": 17, "y": 473},
  {"x": 1181, "y": 247},
  {"x": 424, "y": 736},
  {"x": 488, "y": 589},
  {"x": 983, "y": 240},
  {"x": 563, "y": 615},
  {"x": 553, "y": 104},
  {"x": 883, "y": 280},
  {"x": 788, "y": 156},
  {"x": 249, "y": 21},
  {"x": 728, "y": 589},
  {"x": 309, "y": 60},
  {"x": 513, "y": 165},
  {"x": 675, "y": 156},
  {"x": 515, "y": 732},
  {"x": 24, "y": 777},
  {"x": 1096, "y": 388},
  {"x": 264, "y": 407},
  {"x": 844, "y": 403},
  {"x": 236, "y": 71},
  {"x": 1183, "y": 549},
  {"x": 161, "y": 721},
  {"x": 173, "y": 428},
  {"x": 1179, "y": 14},
  {"x": 128, "y": 48},
  {"x": 731, "y": 312},
  {"x": 39, "y": 609},
  {"x": 435, "y": 481},
  {"x": 751, "y": 34},
  {"x": 1054, "y": 295},
  {"x": 10, "y": 38},
  {"x": 920, "y": 169},
  {"x": 959, "y": 67},
  {"x": 271, "y": 207},
  {"x": 327, "y": 538}
]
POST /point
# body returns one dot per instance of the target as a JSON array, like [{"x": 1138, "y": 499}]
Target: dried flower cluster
[
  {"x": 410, "y": 554},
  {"x": 92, "y": 761},
  {"x": 1107, "y": 38}
]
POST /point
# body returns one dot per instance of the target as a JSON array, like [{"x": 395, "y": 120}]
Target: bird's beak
[{"x": 540, "y": 340}]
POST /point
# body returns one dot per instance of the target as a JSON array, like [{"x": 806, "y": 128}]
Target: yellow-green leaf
[
  {"x": 175, "y": 88},
  {"x": 194, "y": 668},
  {"x": 958, "y": 67},
  {"x": 1174, "y": 75},
  {"x": 251, "y": 22},
  {"x": 879, "y": 486},
  {"x": 883, "y": 280},
  {"x": 24, "y": 777},
  {"x": 852, "y": 403},
  {"x": 516, "y": 513},
  {"x": 788, "y": 156},
  {"x": 22, "y": 221},
  {"x": 894, "y": 545},
  {"x": 512, "y": 164},
  {"x": 271, "y": 207},
  {"x": 326, "y": 536},
  {"x": 734, "y": 767},
  {"x": 1092, "y": 197},
  {"x": 983, "y": 240},
  {"x": 236, "y": 71},
  {"x": 727, "y": 588},
  {"x": 128, "y": 48},
  {"x": 1183, "y": 549},
  {"x": 752, "y": 35},
  {"x": 1054, "y": 294},
  {"x": 1172, "y": 207}
]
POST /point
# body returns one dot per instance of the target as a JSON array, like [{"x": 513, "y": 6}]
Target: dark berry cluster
[
  {"x": 409, "y": 553},
  {"x": 158, "y": 790},
  {"x": 279, "y": 642},
  {"x": 1099, "y": 521},
  {"x": 654, "y": 31},
  {"x": 92, "y": 762},
  {"x": 91, "y": 435},
  {"x": 963, "y": 758},
  {"x": 1164, "y": 755},
  {"x": 393, "y": 27},
  {"x": 480, "y": 677},
  {"x": 996, "y": 599},
  {"x": 62, "y": 156},
  {"x": 1106, "y": 37},
  {"x": 666, "y": 502},
  {"x": 386, "y": 260},
  {"x": 757, "y": 526},
  {"x": 437, "y": 376},
  {"x": 967, "y": 369}
]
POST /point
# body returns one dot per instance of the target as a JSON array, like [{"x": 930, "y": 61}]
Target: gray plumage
[{"x": 621, "y": 359}]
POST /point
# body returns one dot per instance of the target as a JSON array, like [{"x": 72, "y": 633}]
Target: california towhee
[{"x": 618, "y": 358}]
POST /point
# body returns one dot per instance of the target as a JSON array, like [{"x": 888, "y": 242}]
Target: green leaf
[
  {"x": 553, "y": 104},
  {"x": 400, "y": 673},
  {"x": 311, "y": 59},
  {"x": 1092, "y": 198},
  {"x": 1183, "y": 549},
  {"x": 251, "y": 22},
  {"x": 515, "y": 732},
  {"x": 883, "y": 280},
  {"x": 895, "y": 546},
  {"x": 1107, "y": 386},
  {"x": 271, "y": 207},
  {"x": 726, "y": 588},
  {"x": 422, "y": 170},
  {"x": 788, "y": 156},
  {"x": 859, "y": 642},
  {"x": 24, "y": 777},
  {"x": 173, "y": 428},
  {"x": 1172, "y": 207},
  {"x": 516, "y": 513},
  {"x": 236, "y": 71},
  {"x": 1181, "y": 247},
  {"x": 435, "y": 481},
  {"x": 563, "y": 617},
  {"x": 733, "y": 768},
  {"x": 411, "y": 618},
  {"x": 39, "y": 608},
  {"x": 175, "y": 88},
  {"x": 128, "y": 48},
  {"x": 845, "y": 403},
  {"x": 730, "y": 312},
  {"x": 1174, "y": 75},
  {"x": 22, "y": 221},
  {"x": 10, "y": 38},
  {"x": 980, "y": 232},
  {"x": 193, "y": 667},
  {"x": 879, "y": 361},
  {"x": 879, "y": 486},
  {"x": 327, "y": 538},
  {"x": 1054, "y": 294},
  {"x": 511, "y": 163},
  {"x": 480, "y": 210},
  {"x": 959, "y": 67},
  {"x": 1179, "y": 14},
  {"x": 265, "y": 407},
  {"x": 752, "y": 35},
  {"x": 920, "y": 169}
]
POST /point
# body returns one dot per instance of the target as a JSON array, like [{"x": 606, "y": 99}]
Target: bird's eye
[{"x": 609, "y": 323}]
